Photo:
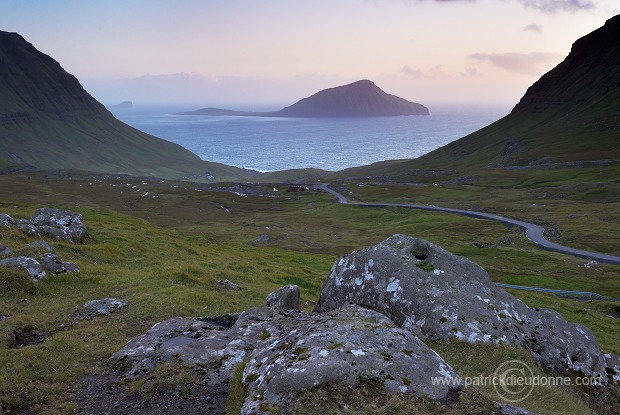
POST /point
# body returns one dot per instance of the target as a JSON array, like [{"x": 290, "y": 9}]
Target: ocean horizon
[{"x": 272, "y": 143}]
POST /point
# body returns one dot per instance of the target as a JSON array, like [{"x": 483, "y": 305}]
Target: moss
[
  {"x": 300, "y": 350},
  {"x": 406, "y": 381},
  {"x": 425, "y": 267},
  {"x": 408, "y": 352},
  {"x": 264, "y": 335},
  {"x": 266, "y": 407},
  {"x": 335, "y": 346},
  {"x": 237, "y": 390}
]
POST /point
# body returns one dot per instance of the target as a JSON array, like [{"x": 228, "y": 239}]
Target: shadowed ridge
[{"x": 48, "y": 121}]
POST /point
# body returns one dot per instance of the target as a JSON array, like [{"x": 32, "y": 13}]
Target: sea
[{"x": 271, "y": 143}]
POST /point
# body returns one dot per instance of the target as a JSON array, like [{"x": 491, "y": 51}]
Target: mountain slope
[
  {"x": 48, "y": 121},
  {"x": 570, "y": 116},
  {"x": 359, "y": 99}
]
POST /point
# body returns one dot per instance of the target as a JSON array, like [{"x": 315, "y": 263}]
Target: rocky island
[{"x": 359, "y": 99}]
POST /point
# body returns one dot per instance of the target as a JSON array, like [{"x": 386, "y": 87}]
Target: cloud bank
[
  {"x": 522, "y": 63},
  {"x": 547, "y": 6},
  {"x": 533, "y": 27}
]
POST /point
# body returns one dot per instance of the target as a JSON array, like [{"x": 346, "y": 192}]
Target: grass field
[{"x": 163, "y": 245}]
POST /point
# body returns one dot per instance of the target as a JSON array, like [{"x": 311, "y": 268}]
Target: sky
[{"x": 254, "y": 52}]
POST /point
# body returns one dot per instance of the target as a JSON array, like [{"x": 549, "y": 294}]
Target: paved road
[{"x": 534, "y": 233}]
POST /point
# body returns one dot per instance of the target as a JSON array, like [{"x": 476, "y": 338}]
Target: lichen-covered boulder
[
  {"x": 30, "y": 265},
  {"x": 284, "y": 298},
  {"x": 287, "y": 352},
  {"x": 437, "y": 295},
  {"x": 351, "y": 345},
  {"x": 59, "y": 224}
]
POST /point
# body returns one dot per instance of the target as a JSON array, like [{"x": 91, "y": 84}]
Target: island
[{"x": 359, "y": 99}]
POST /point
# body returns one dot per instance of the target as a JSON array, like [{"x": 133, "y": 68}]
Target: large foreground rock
[
  {"x": 437, "y": 295},
  {"x": 287, "y": 352}
]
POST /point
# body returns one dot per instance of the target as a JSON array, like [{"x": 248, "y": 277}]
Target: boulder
[
  {"x": 59, "y": 224},
  {"x": 70, "y": 267},
  {"x": 284, "y": 298},
  {"x": 227, "y": 285},
  {"x": 94, "y": 308},
  {"x": 286, "y": 352},
  {"x": 6, "y": 220},
  {"x": 30, "y": 265},
  {"x": 437, "y": 295}
]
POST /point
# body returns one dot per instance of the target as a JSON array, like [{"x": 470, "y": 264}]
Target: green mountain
[
  {"x": 570, "y": 117},
  {"x": 48, "y": 121}
]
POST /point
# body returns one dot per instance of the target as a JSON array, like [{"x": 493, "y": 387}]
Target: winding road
[{"x": 533, "y": 232}]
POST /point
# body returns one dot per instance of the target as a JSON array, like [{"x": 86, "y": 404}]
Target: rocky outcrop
[
  {"x": 437, "y": 295},
  {"x": 59, "y": 224},
  {"x": 95, "y": 308},
  {"x": 39, "y": 255},
  {"x": 376, "y": 308},
  {"x": 56, "y": 223},
  {"x": 287, "y": 352}
]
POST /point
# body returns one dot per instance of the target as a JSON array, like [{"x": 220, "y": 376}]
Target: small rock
[
  {"x": 590, "y": 264},
  {"x": 94, "y": 308},
  {"x": 6, "y": 220},
  {"x": 30, "y": 265},
  {"x": 263, "y": 239},
  {"x": 506, "y": 409},
  {"x": 53, "y": 263},
  {"x": 284, "y": 298},
  {"x": 227, "y": 285},
  {"x": 70, "y": 268}
]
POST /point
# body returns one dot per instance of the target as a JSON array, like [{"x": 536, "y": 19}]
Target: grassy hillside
[
  {"x": 164, "y": 254},
  {"x": 48, "y": 121}
]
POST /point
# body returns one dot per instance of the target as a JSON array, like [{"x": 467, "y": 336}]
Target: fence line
[{"x": 549, "y": 290}]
